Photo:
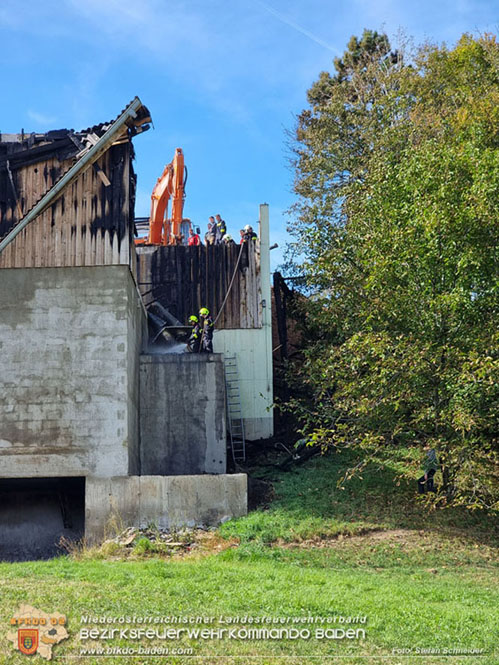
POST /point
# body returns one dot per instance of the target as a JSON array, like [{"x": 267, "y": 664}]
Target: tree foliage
[{"x": 397, "y": 167}]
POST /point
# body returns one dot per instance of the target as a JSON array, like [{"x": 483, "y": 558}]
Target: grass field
[{"x": 422, "y": 580}]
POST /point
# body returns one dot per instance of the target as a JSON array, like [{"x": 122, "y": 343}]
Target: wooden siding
[
  {"x": 89, "y": 225},
  {"x": 184, "y": 279}
]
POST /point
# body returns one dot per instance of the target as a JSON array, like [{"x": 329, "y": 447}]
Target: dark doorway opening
[{"x": 35, "y": 513}]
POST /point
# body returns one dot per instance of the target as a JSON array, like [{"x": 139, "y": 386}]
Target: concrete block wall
[
  {"x": 69, "y": 375},
  {"x": 182, "y": 414},
  {"x": 167, "y": 501},
  {"x": 70, "y": 342}
]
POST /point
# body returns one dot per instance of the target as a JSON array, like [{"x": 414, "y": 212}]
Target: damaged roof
[
  {"x": 17, "y": 150},
  {"x": 85, "y": 147}
]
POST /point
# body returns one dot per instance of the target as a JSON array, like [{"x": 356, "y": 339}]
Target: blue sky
[{"x": 223, "y": 80}]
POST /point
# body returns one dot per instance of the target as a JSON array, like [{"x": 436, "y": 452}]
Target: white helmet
[{"x": 247, "y": 228}]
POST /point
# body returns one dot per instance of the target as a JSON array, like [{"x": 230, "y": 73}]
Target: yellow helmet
[
  {"x": 204, "y": 311},
  {"x": 193, "y": 319}
]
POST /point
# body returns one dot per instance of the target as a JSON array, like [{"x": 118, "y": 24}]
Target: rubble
[{"x": 182, "y": 539}]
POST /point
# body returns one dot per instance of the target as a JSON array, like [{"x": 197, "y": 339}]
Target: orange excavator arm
[{"x": 171, "y": 184}]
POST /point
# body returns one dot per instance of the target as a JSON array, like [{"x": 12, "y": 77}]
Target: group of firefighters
[
  {"x": 217, "y": 234},
  {"x": 201, "y": 338}
]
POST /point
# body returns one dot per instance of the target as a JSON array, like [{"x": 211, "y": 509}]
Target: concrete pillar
[
  {"x": 182, "y": 414},
  {"x": 266, "y": 301}
]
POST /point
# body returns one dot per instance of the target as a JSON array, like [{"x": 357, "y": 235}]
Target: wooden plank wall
[
  {"x": 89, "y": 225},
  {"x": 184, "y": 279}
]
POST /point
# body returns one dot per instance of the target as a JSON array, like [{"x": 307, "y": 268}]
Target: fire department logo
[
  {"x": 27, "y": 640},
  {"x": 37, "y": 632}
]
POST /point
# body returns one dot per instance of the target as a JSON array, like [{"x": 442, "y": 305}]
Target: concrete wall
[
  {"x": 68, "y": 380},
  {"x": 70, "y": 342},
  {"x": 167, "y": 501},
  {"x": 137, "y": 335},
  {"x": 182, "y": 414}
]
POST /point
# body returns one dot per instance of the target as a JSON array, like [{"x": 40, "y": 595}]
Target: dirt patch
[
  {"x": 210, "y": 542},
  {"x": 391, "y": 536},
  {"x": 454, "y": 549},
  {"x": 398, "y": 535}
]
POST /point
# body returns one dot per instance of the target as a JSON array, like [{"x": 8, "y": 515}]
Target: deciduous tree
[{"x": 397, "y": 167}]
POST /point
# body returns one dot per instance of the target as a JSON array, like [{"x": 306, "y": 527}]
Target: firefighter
[
  {"x": 207, "y": 325},
  {"x": 221, "y": 229},
  {"x": 210, "y": 235},
  {"x": 249, "y": 234},
  {"x": 430, "y": 467},
  {"x": 194, "y": 342}
]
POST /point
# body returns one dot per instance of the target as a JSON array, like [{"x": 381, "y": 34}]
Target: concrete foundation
[
  {"x": 167, "y": 501},
  {"x": 182, "y": 414}
]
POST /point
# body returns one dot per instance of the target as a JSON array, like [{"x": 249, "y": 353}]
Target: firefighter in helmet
[
  {"x": 194, "y": 342},
  {"x": 249, "y": 234},
  {"x": 207, "y": 326}
]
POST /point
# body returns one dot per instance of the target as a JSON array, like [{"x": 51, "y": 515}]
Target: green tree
[{"x": 397, "y": 172}]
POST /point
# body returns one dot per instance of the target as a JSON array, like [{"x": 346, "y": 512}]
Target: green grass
[
  {"x": 404, "y": 607},
  {"x": 422, "y": 579},
  {"x": 308, "y": 505}
]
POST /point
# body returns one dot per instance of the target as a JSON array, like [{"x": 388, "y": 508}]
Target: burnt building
[{"x": 75, "y": 372}]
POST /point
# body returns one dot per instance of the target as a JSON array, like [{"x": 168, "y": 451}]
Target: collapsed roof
[
  {"x": 29, "y": 148},
  {"x": 85, "y": 147}
]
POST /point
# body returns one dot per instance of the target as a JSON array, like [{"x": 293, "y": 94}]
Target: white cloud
[
  {"x": 180, "y": 42},
  {"x": 233, "y": 58},
  {"x": 164, "y": 29},
  {"x": 296, "y": 26},
  {"x": 42, "y": 119},
  {"x": 227, "y": 53}
]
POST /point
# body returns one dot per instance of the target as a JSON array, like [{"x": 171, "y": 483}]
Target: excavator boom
[{"x": 171, "y": 184}]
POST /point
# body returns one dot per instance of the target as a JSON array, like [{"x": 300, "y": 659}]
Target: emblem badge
[{"x": 27, "y": 640}]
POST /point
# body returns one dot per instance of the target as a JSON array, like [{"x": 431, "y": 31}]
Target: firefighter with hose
[
  {"x": 194, "y": 342},
  {"x": 207, "y": 325}
]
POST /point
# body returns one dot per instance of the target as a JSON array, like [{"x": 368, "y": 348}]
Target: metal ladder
[{"x": 234, "y": 413}]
